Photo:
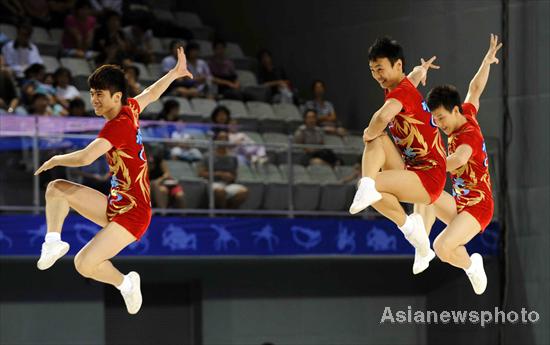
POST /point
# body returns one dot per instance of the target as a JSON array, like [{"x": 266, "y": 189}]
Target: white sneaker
[
  {"x": 51, "y": 252},
  {"x": 422, "y": 262},
  {"x": 477, "y": 277},
  {"x": 365, "y": 196},
  {"x": 133, "y": 297},
  {"x": 418, "y": 237}
]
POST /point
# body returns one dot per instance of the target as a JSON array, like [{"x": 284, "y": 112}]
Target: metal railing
[{"x": 288, "y": 149}]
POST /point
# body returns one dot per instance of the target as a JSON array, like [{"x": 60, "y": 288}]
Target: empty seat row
[{"x": 314, "y": 188}]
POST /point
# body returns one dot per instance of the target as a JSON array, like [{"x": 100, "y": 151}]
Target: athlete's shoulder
[{"x": 469, "y": 109}]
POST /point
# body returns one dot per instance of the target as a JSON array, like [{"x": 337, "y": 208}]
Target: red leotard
[
  {"x": 129, "y": 201},
  {"x": 471, "y": 182},
  {"x": 418, "y": 139}
]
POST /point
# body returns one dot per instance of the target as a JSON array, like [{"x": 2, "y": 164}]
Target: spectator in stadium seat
[
  {"x": 77, "y": 107},
  {"x": 170, "y": 111},
  {"x": 110, "y": 41},
  {"x": 183, "y": 150},
  {"x": 202, "y": 78},
  {"x": 311, "y": 134},
  {"x": 325, "y": 110},
  {"x": 274, "y": 78},
  {"x": 40, "y": 105},
  {"x": 227, "y": 193},
  {"x": 182, "y": 87},
  {"x": 220, "y": 119},
  {"x": 140, "y": 42},
  {"x": 165, "y": 189},
  {"x": 132, "y": 75},
  {"x": 79, "y": 31},
  {"x": 248, "y": 152},
  {"x": 21, "y": 53},
  {"x": 9, "y": 98},
  {"x": 224, "y": 72},
  {"x": 64, "y": 91}
]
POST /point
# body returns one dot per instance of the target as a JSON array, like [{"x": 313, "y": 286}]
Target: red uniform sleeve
[
  {"x": 469, "y": 109},
  {"x": 118, "y": 132},
  {"x": 134, "y": 108},
  {"x": 404, "y": 93},
  {"x": 472, "y": 138}
]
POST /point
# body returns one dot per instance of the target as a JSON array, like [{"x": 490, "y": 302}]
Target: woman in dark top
[
  {"x": 274, "y": 78},
  {"x": 164, "y": 188}
]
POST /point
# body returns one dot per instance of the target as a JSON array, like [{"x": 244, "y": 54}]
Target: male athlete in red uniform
[
  {"x": 125, "y": 214},
  {"x": 470, "y": 209},
  {"x": 413, "y": 165}
]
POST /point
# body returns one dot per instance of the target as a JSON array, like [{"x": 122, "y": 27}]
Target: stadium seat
[
  {"x": 234, "y": 51},
  {"x": 76, "y": 66},
  {"x": 9, "y": 30},
  {"x": 203, "y": 106},
  {"x": 51, "y": 63}
]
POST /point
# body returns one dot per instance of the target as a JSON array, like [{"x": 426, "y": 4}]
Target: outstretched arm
[
  {"x": 78, "y": 158},
  {"x": 153, "y": 92},
  {"x": 381, "y": 118},
  {"x": 477, "y": 85},
  {"x": 420, "y": 72}
]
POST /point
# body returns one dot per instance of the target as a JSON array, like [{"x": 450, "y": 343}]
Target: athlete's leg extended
[
  {"x": 93, "y": 259},
  {"x": 449, "y": 245}
]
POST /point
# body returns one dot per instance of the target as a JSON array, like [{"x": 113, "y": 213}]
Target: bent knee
[
  {"x": 83, "y": 266},
  {"x": 442, "y": 248},
  {"x": 57, "y": 188}
]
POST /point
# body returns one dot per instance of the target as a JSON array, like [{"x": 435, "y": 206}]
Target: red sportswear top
[
  {"x": 471, "y": 182},
  {"x": 127, "y": 162},
  {"x": 414, "y": 132}
]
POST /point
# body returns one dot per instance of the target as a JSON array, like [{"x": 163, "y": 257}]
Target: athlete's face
[
  {"x": 103, "y": 101},
  {"x": 384, "y": 73},
  {"x": 446, "y": 120}
]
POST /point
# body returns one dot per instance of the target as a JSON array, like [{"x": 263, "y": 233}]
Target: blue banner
[{"x": 190, "y": 236}]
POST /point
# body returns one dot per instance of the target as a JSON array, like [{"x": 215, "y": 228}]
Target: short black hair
[
  {"x": 308, "y": 110},
  {"x": 263, "y": 52},
  {"x": 63, "y": 70},
  {"x": 219, "y": 109},
  {"x": 386, "y": 47},
  {"x": 133, "y": 68},
  {"x": 112, "y": 78},
  {"x": 24, "y": 24},
  {"x": 446, "y": 96},
  {"x": 34, "y": 69},
  {"x": 192, "y": 46},
  {"x": 318, "y": 81},
  {"x": 77, "y": 103},
  {"x": 37, "y": 96}
]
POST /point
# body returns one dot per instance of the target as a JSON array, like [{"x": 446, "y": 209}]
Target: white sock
[
  {"x": 408, "y": 227},
  {"x": 367, "y": 182},
  {"x": 470, "y": 269},
  {"x": 126, "y": 285},
  {"x": 52, "y": 237}
]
